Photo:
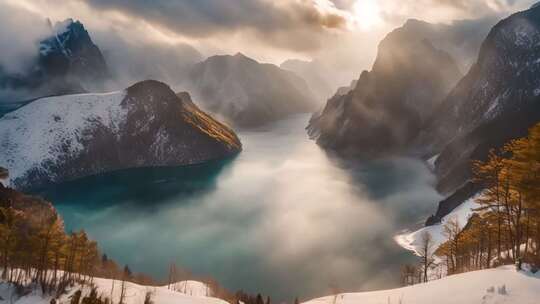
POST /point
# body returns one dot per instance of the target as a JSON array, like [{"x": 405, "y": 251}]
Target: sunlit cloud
[{"x": 367, "y": 13}]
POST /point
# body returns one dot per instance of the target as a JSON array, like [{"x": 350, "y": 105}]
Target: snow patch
[
  {"x": 490, "y": 286},
  {"x": 196, "y": 293},
  {"x": 413, "y": 241},
  {"x": 431, "y": 162}
]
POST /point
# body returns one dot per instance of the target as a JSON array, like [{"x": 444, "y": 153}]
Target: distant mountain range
[
  {"x": 236, "y": 88},
  {"x": 57, "y": 139},
  {"x": 247, "y": 93}
]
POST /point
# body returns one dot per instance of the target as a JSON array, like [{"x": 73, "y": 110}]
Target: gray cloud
[
  {"x": 19, "y": 38},
  {"x": 292, "y": 24},
  {"x": 133, "y": 58},
  {"x": 151, "y": 39}
]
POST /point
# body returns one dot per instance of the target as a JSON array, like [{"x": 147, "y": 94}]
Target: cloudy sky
[{"x": 343, "y": 33}]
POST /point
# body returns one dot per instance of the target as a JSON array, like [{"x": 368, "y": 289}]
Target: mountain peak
[
  {"x": 384, "y": 111},
  {"x": 240, "y": 55},
  {"x": 243, "y": 58},
  {"x": 248, "y": 93},
  {"x": 61, "y": 27},
  {"x": 69, "y": 52}
]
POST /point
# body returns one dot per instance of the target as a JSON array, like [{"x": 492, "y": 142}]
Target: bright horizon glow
[{"x": 367, "y": 13}]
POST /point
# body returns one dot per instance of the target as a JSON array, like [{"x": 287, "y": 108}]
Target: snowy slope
[
  {"x": 478, "y": 287},
  {"x": 35, "y": 135},
  {"x": 134, "y": 293},
  {"x": 412, "y": 241}
]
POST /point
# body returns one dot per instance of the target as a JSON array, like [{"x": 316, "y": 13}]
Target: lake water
[{"x": 282, "y": 218}]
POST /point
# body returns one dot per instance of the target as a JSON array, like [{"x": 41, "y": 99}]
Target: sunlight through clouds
[{"x": 367, "y": 13}]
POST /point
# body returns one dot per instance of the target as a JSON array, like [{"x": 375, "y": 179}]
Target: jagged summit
[
  {"x": 70, "y": 53},
  {"x": 67, "y": 62}
]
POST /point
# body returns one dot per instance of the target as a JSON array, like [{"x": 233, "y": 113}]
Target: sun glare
[{"x": 367, "y": 13}]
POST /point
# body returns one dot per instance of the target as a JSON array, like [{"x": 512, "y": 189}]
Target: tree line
[
  {"x": 505, "y": 228},
  {"x": 36, "y": 251}
]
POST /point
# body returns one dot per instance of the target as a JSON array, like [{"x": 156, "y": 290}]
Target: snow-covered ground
[
  {"x": 192, "y": 288},
  {"x": 185, "y": 292},
  {"x": 490, "y": 286},
  {"x": 412, "y": 240}
]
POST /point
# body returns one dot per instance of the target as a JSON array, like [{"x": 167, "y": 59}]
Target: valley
[
  {"x": 261, "y": 152},
  {"x": 283, "y": 206}
]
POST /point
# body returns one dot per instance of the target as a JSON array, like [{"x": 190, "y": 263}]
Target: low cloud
[{"x": 19, "y": 38}]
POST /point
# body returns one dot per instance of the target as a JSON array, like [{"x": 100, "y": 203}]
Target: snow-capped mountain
[
  {"x": 388, "y": 105},
  {"x": 68, "y": 62},
  {"x": 248, "y": 93},
  {"x": 498, "y": 100},
  {"x": 57, "y": 139},
  {"x": 70, "y": 53}
]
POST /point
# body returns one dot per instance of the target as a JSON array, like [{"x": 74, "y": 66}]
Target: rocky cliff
[
  {"x": 498, "y": 100},
  {"x": 388, "y": 106}
]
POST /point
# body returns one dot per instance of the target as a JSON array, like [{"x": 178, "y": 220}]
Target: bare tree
[{"x": 426, "y": 253}]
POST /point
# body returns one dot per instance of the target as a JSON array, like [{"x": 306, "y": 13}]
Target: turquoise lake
[{"x": 282, "y": 218}]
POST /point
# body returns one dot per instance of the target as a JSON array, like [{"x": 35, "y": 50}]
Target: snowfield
[
  {"x": 40, "y": 131},
  {"x": 490, "y": 286},
  {"x": 185, "y": 292},
  {"x": 413, "y": 241}
]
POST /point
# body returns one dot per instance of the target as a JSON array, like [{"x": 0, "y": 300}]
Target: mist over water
[{"x": 282, "y": 218}]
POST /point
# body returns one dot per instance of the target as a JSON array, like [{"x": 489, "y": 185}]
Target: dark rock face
[
  {"x": 70, "y": 53},
  {"x": 453, "y": 201},
  {"x": 68, "y": 62},
  {"x": 247, "y": 93},
  {"x": 388, "y": 106},
  {"x": 498, "y": 100},
  {"x": 152, "y": 127}
]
